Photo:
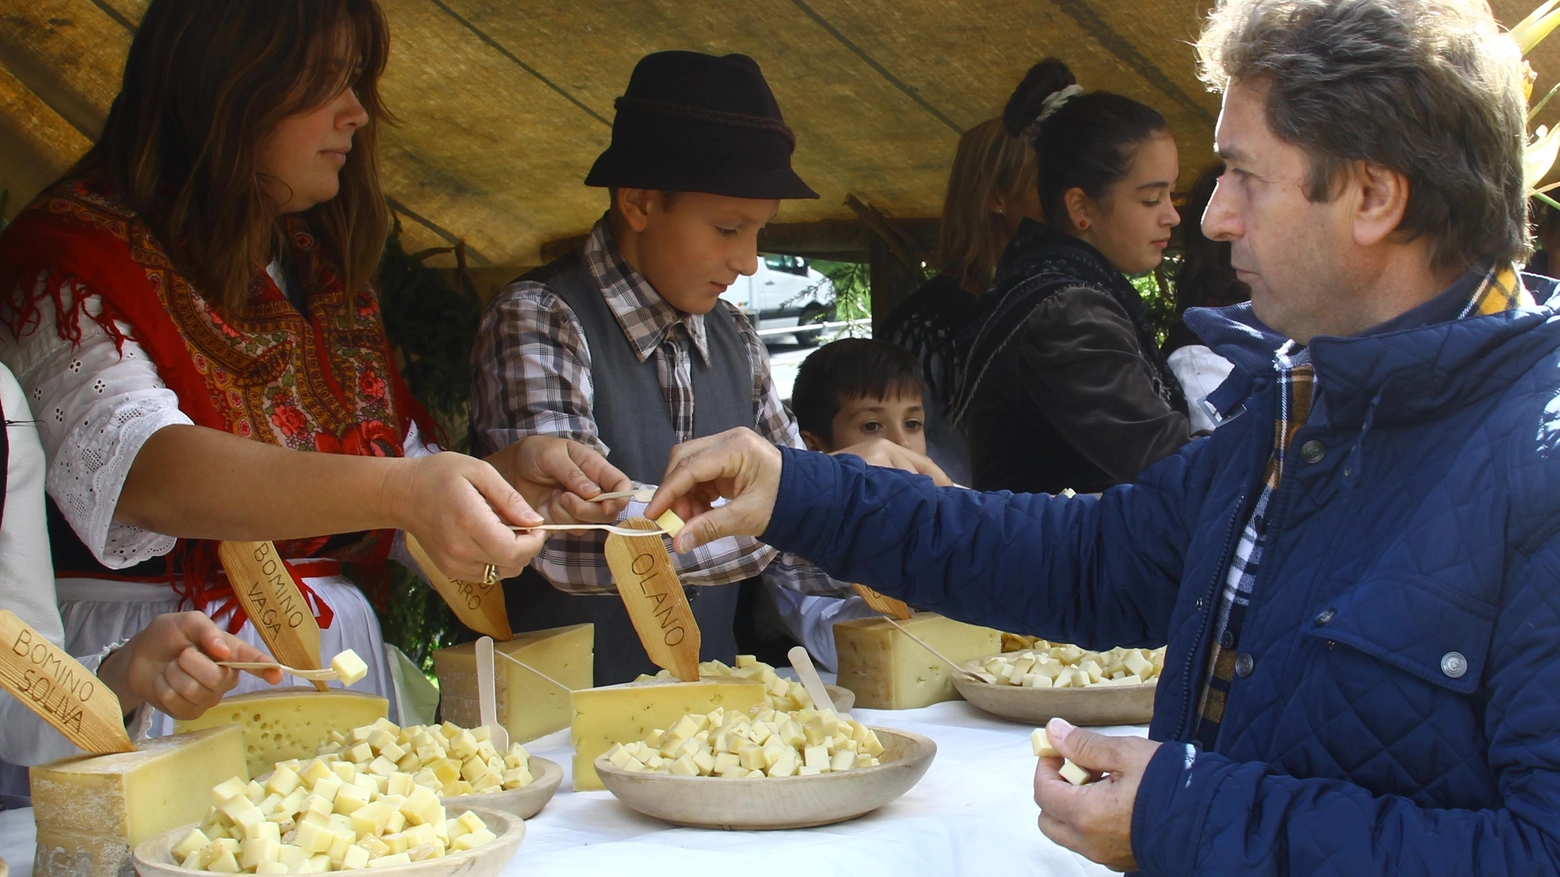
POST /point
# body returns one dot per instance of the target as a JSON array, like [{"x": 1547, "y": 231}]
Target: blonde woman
[{"x": 991, "y": 189}]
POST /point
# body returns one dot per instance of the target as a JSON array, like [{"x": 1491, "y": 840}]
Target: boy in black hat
[{"x": 612, "y": 346}]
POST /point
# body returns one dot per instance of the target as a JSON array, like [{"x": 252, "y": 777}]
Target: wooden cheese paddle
[
  {"x": 886, "y": 605},
  {"x": 478, "y": 605},
  {"x": 266, "y": 590},
  {"x": 55, "y": 686},
  {"x": 655, "y": 600}
]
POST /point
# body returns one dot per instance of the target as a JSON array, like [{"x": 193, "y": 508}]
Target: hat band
[{"x": 721, "y": 117}]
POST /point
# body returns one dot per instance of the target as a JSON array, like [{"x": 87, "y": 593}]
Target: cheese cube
[
  {"x": 354, "y": 858},
  {"x": 288, "y": 722},
  {"x": 391, "y": 861},
  {"x": 1073, "y": 773},
  {"x": 92, "y": 810},
  {"x": 604, "y": 716},
  {"x": 349, "y": 667},
  {"x": 888, "y": 670},
  {"x": 1040, "y": 741},
  {"x": 193, "y": 842},
  {"x": 259, "y": 850},
  {"x": 271, "y": 868},
  {"x": 671, "y": 523},
  {"x": 528, "y": 705}
]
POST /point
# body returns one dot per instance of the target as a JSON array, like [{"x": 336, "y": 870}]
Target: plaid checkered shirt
[
  {"x": 1487, "y": 292},
  {"x": 533, "y": 376}
]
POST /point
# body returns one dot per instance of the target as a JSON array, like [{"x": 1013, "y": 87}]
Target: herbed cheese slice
[
  {"x": 604, "y": 716},
  {"x": 92, "y": 810},
  {"x": 289, "y": 723},
  {"x": 888, "y": 670},
  {"x": 529, "y": 706}
]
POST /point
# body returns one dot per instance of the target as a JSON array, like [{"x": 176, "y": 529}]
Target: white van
[{"x": 784, "y": 292}]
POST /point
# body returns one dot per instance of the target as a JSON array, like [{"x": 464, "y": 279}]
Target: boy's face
[
  {"x": 900, "y": 418},
  {"x": 693, "y": 248}
]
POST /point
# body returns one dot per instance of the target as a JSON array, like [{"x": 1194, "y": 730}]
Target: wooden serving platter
[
  {"x": 776, "y": 802},
  {"x": 153, "y": 859},
  {"x": 1096, "y": 705},
  {"x": 523, "y": 802}
]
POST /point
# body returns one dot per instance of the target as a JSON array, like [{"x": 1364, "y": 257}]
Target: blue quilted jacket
[{"x": 1402, "y": 714}]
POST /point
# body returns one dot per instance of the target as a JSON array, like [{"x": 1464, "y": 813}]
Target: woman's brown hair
[
  {"x": 205, "y": 80},
  {"x": 989, "y": 162}
]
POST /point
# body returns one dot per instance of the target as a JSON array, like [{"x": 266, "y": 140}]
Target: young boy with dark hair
[
  {"x": 855, "y": 390},
  {"x": 612, "y": 345},
  {"x": 847, "y": 392}
]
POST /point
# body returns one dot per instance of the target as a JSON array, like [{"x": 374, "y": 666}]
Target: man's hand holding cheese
[
  {"x": 1354, "y": 576},
  {"x": 171, "y": 664}
]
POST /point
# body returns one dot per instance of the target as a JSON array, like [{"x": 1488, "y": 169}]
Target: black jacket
[{"x": 1064, "y": 386}]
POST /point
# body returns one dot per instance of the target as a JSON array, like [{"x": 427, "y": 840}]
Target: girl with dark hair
[
  {"x": 190, "y": 314},
  {"x": 1064, "y": 386},
  {"x": 1205, "y": 279}
]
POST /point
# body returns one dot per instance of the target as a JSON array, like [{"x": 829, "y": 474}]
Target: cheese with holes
[
  {"x": 288, "y": 723},
  {"x": 92, "y": 810},
  {"x": 890, "y": 671},
  {"x": 610, "y": 715},
  {"x": 528, "y": 705}
]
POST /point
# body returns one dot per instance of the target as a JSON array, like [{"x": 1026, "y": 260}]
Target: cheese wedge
[
  {"x": 528, "y": 705},
  {"x": 289, "y": 722},
  {"x": 605, "y": 716},
  {"x": 92, "y": 810},
  {"x": 888, "y": 670}
]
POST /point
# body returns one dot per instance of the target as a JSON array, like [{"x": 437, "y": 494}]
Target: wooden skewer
[
  {"x": 643, "y": 494},
  {"x": 981, "y": 676},
  {"x": 610, "y": 528},
  {"x": 324, "y": 675}
]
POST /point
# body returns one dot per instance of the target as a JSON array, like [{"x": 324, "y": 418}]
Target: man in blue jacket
[{"x": 1358, "y": 574}]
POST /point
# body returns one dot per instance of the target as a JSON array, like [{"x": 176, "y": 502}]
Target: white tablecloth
[{"x": 973, "y": 813}]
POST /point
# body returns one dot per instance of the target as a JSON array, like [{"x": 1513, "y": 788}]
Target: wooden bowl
[
  {"x": 775, "y": 802},
  {"x": 523, "y": 802},
  {"x": 153, "y": 859},
  {"x": 1096, "y": 705},
  {"x": 844, "y": 699}
]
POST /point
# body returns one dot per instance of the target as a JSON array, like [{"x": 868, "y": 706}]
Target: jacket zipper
[{"x": 1226, "y": 554}]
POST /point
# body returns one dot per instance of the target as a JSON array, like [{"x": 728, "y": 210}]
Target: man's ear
[
  {"x": 813, "y": 443},
  {"x": 1381, "y": 195},
  {"x": 634, "y": 206}
]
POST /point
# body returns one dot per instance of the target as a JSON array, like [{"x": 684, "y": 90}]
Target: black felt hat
[{"x": 691, "y": 122}]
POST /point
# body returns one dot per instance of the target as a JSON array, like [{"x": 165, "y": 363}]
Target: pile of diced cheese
[
  {"x": 370, "y": 799},
  {"x": 449, "y": 760},
  {"x": 1050, "y": 665},
  {"x": 773, "y": 743},
  {"x": 781, "y": 694}
]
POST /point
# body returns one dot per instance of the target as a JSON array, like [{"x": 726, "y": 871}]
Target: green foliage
[
  {"x": 852, "y": 288},
  {"x": 433, "y": 326},
  {"x": 1158, "y": 292},
  {"x": 416, "y": 620}
]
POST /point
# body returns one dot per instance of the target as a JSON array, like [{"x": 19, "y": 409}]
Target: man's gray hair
[{"x": 1433, "y": 89}]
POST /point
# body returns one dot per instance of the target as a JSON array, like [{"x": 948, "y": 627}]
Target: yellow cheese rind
[
  {"x": 604, "y": 716},
  {"x": 289, "y": 723},
  {"x": 537, "y": 707},
  {"x": 91, "y": 811},
  {"x": 888, "y": 670}
]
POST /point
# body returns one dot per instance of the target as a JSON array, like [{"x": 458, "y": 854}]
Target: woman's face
[
  {"x": 1131, "y": 225},
  {"x": 300, "y": 160}
]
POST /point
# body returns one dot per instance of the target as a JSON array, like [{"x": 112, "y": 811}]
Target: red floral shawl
[{"x": 323, "y": 381}]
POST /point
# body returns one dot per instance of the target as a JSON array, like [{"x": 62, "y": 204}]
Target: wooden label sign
[
  {"x": 274, "y": 604},
  {"x": 55, "y": 686},
  {"x": 655, "y": 599},
  {"x": 478, "y": 605},
  {"x": 886, "y": 605}
]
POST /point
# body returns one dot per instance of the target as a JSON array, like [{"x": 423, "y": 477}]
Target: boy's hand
[
  {"x": 557, "y": 477},
  {"x": 737, "y": 464},
  {"x": 882, "y": 452},
  {"x": 1093, "y": 820},
  {"x": 172, "y": 665}
]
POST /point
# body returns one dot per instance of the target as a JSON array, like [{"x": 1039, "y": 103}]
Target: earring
[{"x": 1083, "y": 224}]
